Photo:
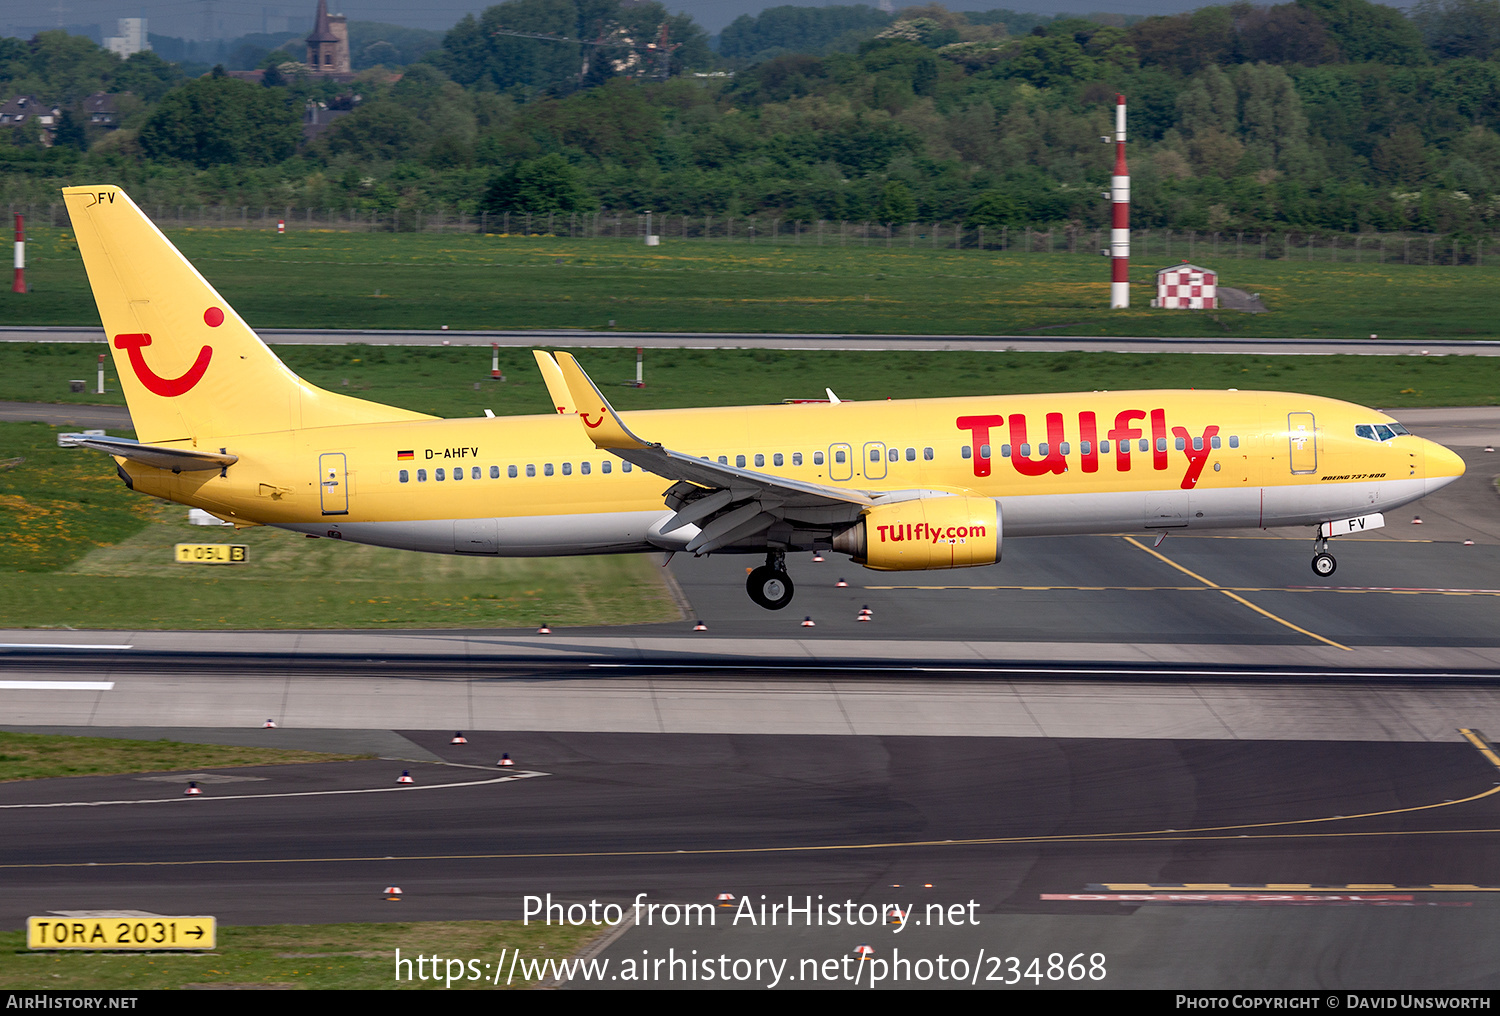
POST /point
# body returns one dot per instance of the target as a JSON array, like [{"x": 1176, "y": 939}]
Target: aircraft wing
[
  {"x": 161, "y": 456},
  {"x": 728, "y": 504}
]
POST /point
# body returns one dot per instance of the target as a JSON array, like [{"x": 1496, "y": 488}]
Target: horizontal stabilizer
[{"x": 160, "y": 456}]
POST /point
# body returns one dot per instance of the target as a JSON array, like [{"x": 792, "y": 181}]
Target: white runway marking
[
  {"x": 59, "y": 645},
  {"x": 56, "y": 685},
  {"x": 403, "y": 789}
]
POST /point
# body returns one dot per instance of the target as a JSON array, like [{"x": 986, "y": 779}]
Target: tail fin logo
[{"x": 167, "y": 387}]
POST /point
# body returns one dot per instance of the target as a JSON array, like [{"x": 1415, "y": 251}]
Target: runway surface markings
[
  {"x": 1203, "y": 833},
  {"x": 56, "y": 685},
  {"x": 1298, "y": 887},
  {"x": 1477, "y": 739},
  {"x": 1394, "y": 590},
  {"x": 59, "y": 645},
  {"x": 1233, "y": 595},
  {"x": 402, "y": 789}
]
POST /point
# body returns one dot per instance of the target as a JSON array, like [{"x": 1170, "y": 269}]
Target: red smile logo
[{"x": 168, "y": 387}]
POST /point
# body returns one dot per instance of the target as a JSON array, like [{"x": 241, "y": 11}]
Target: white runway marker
[
  {"x": 59, "y": 645},
  {"x": 56, "y": 685}
]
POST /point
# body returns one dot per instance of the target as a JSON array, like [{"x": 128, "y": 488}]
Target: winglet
[
  {"x": 553, "y": 377},
  {"x": 603, "y": 425}
]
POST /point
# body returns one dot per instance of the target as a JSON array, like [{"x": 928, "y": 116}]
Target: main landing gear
[
  {"x": 770, "y": 585},
  {"x": 1323, "y": 563}
]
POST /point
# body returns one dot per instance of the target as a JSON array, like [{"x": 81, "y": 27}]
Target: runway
[
  {"x": 1368, "y": 864},
  {"x": 1197, "y": 761}
]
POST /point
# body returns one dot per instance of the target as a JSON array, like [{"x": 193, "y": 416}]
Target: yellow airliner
[{"x": 224, "y": 426}]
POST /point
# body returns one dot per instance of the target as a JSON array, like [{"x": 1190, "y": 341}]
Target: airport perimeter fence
[{"x": 1162, "y": 244}]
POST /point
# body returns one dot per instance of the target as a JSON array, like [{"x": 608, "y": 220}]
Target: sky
[{"x": 203, "y": 19}]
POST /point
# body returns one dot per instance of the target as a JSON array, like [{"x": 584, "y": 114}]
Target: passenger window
[
  {"x": 624, "y": 467},
  {"x": 760, "y": 459},
  {"x": 1026, "y": 450},
  {"x": 911, "y": 455},
  {"x": 1103, "y": 447},
  {"x": 1181, "y": 444},
  {"x": 723, "y": 460},
  {"x": 458, "y": 474},
  {"x": 739, "y": 462},
  {"x": 438, "y": 475},
  {"x": 547, "y": 469},
  {"x": 1083, "y": 446},
  {"x": 838, "y": 457},
  {"x": 1215, "y": 441},
  {"x": 874, "y": 454},
  {"x": 927, "y": 454},
  {"x": 530, "y": 470},
  {"x": 1005, "y": 451},
  {"x": 966, "y": 451},
  {"x": 474, "y": 473},
  {"x": 510, "y": 471},
  {"x": 1234, "y": 440},
  {"x": 495, "y": 472},
  {"x": 817, "y": 458},
  {"x": 405, "y": 476},
  {"x": 584, "y": 467},
  {"x": 1145, "y": 445},
  {"x": 1041, "y": 449},
  {"x": 1064, "y": 447},
  {"x": 984, "y": 451},
  {"x": 895, "y": 454},
  {"x": 567, "y": 469},
  {"x": 606, "y": 466},
  {"x": 421, "y": 476},
  {"x": 775, "y": 459},
  {"x": 1197, "y": 444}
]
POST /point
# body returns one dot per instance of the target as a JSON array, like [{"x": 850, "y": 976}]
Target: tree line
[{"x": 1309, "y": 115}]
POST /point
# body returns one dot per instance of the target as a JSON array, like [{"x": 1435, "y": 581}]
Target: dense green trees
[
  {"x": 1307, "y": 115},
  {"x": 217, "y": 120}
]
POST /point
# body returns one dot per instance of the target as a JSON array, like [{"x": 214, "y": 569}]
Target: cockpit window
[
  {"x": 1385, "y": 433},
  {"x": 1379, "y": 431},
  {"x": 1365, "y": 431}
]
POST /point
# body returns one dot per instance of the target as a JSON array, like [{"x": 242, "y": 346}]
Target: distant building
[
  {"x": 101, "y": 110},
  {"x": 1187, "y": 287},
  {"x": 27, "y": 112},
  {"x": 132, "y": 38},
  {"x": 328, "y": 45}
]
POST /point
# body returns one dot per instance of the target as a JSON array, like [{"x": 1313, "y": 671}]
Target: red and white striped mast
[
  {"x": 18, "y": 284},
  {"x": 1119, "y": 233}
]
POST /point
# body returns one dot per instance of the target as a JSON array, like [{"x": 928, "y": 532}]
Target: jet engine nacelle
[{"x": 927, "y": 532}]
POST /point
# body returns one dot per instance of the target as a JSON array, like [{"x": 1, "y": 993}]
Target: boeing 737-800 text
[{"x": 915, "y": 484}]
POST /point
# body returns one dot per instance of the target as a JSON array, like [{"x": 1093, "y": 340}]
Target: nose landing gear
[
  {"x": 769, "y": 585},
  {"x": 1323, "y": 564}
]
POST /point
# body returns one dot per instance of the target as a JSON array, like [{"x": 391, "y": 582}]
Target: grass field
[
  {"x": 317, "y": 279},
  {"x": 77, "y": 549},
  {"x": 297, "y": 956},
  {"x": 452, "y": 381},
  {"x": 39, "y": 756}
]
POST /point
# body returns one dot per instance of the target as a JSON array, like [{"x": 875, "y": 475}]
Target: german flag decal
[{"x": 406, "y": 455}]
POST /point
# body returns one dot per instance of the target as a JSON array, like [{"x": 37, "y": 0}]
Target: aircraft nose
[{"x": 1442, "y": 466}]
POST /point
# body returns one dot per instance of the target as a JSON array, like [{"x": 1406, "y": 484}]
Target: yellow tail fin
[{"x": 188, "y": 364}]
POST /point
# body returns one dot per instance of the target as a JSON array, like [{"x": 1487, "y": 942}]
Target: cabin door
[
  {"x": 333, "y": 483},
  {"x": 1302, "y": 432}
]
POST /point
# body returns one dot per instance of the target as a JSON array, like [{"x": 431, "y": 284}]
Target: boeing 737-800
[{"x": 915, "y": 484}]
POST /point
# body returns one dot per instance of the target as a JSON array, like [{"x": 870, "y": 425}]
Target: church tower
[{"x": 328, "y": 45}]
